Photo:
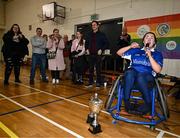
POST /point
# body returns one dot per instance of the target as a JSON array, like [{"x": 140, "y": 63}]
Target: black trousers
[
  {"x": 12, "y": 62},
  {"x": 78, "y": 68},
  {"x": 94, "y": 61},
  {"x": 55, "y": 74}
]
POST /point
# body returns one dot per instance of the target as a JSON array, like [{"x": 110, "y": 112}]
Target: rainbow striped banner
[{"x": 166, "y": 28}]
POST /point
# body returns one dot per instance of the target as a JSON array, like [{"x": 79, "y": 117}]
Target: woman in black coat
[{"x": 14, "y": 50}]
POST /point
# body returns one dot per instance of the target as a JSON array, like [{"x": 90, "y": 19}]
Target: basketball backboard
[{"x": 49, "y": 11}]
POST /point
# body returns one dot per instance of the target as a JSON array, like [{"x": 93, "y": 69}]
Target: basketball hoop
[
  {"x": 58, "y": 20},
  {"x": 59, "y": 14},
  {"x": 52, "y": 12}
]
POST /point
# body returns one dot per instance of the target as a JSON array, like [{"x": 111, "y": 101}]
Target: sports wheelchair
[{"x": 114, "y": 103}]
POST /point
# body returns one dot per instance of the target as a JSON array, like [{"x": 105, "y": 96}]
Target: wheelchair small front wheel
[
  {"x": 114, "y": 121},
  {"x": 152, "y": 127}
]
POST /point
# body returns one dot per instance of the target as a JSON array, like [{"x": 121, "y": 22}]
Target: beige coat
[{"x": 58, "y": 62}]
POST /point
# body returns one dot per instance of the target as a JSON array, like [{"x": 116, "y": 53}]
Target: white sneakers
[{"x": 55, "y": 81}]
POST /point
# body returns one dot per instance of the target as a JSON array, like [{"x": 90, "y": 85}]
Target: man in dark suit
[{"x": 96, "y": 43}]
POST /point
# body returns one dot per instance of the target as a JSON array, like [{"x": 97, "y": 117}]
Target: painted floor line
[
  {"x": 44, "y": 118},
  {"x": 22, "y": 95},
  {"x": 160, "y": 135},
  {"x": 53, "y": 95},
  {"x": 178, "y": 136},
  {"x": 34, "y": 106},
  {"x": 8, "y": 131},
  {"x": 85, "y": 105},
  {"x": 60, "y": 97}
]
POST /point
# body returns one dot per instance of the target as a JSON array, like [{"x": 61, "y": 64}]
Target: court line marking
[
  {"x": 8, "y": 131},
  {"x": 53, "y": 95},
  {"x": 160, "y": 130},
  {"x": 160, "y": 135},
  {"x": 39, "y": 81},
  {"x": 22, "y": 95},
  {"x": 43, "y": 117},
  {"x": 38, "y": 105},
  {"x": 163, "y": 131}
]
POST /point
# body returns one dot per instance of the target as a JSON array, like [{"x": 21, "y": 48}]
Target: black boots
[
  {"x": 77, "y": 79},
  {"x": 80, "y": 80},
  {"x": 6, "y": 82},
  {"x": 8, "y": 71}
]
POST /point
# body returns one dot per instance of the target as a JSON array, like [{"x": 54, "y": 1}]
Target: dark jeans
[
  {"x": 38, "y": 59},
  {"x": 94, "y": 61},
  {"x": 142, "y": 81},
  {"x": 10, "y": 63}
]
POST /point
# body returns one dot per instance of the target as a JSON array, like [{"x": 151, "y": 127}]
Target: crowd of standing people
[
  {"x": 81, "y": 54},
  {"x": 67, "y": 59}
]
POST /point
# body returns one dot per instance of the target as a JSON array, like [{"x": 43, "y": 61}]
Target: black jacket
[
  {"x": 123, "y": 42},
  {"x": 14, "y": 49},
  {"x": 101, "y": 41}
]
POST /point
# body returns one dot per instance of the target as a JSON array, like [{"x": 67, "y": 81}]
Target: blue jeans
[
  {"x": 38, "y": 59},
  {"x": 142, "y": 81}
]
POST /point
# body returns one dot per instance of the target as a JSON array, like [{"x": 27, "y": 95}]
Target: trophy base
[
  {"x": 89, "y": 119},
  {"x": 95, "y": 129}
]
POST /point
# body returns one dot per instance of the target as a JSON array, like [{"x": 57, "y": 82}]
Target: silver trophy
[{"x": 95, "y": 105}]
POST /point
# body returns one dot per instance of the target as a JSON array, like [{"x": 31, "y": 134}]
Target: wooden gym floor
[{"x": 46, "y": 110}]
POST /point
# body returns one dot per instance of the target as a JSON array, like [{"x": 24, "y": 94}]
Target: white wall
[
  {"x": 2, "y": 14},
  {"x": 2, "y": 24},
  {"x": 24, "y": 12}
]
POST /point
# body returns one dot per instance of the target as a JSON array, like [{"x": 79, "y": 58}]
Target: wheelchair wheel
[
  {"x": 112, "y": 94},
  {"x": 152, "y": 127},
  {"x": 162, "y": 101}
]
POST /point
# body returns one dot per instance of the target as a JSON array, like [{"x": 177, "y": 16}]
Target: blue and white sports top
[{"x": 140, "y": 62}]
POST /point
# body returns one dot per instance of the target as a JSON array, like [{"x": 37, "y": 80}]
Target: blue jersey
[{"x": 140, "y": 62}]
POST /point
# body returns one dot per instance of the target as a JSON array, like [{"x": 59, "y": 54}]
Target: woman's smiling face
[
  {"x": 15, "y": 28},
  {"x": 149, "y": 39}
]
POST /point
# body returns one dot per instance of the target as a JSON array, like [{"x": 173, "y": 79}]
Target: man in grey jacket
[{"x": 38, "y": 55}]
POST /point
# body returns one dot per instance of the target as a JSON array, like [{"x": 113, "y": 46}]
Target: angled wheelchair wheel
[
  {"x": 112, "y": 94},
  {"x": 162, "y": 101}
]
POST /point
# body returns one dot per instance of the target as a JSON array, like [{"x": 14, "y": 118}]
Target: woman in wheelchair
[{"x": 145, "y": 63}]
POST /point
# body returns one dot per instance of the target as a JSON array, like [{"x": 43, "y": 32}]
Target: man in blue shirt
[
  {"x": 38, "y": 55},
  {"x": 145, "y": 63}
]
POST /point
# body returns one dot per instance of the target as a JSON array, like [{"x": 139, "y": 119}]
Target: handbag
[
  {"x": 51, "y": 54},
  {"x": 73, "y": 53}
]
